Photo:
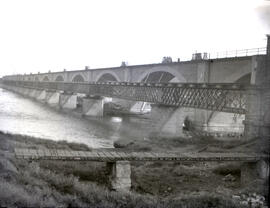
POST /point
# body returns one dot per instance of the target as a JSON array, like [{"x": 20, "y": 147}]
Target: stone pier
[
  {"x": 52, "y": 97},
  {"x": 169, "y": 120},
  {"x": 119, "y": 175},
  {"x": 41, "y": 95},
  {"x": 93, "y": 106},
  {"x": 26, "y": 91},
  {"x": 68, "y": 100},
  {"x": 32, "y": 93}
]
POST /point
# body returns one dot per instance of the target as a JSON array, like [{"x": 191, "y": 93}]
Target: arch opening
[
  {"x": 78, "y": 78},
  {"x": 107, "y": 78},
  {"x": 160, "y": 77},
  {"x": 36, "y": 79},
  {"x": 45, "y": 79},
  {"x": 59, "y": 78}
]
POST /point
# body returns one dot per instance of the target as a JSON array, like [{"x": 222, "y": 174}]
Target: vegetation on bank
[{"x": 82, "y": 184}]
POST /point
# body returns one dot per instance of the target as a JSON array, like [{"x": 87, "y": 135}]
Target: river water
[{"x": 21, "y": 115}]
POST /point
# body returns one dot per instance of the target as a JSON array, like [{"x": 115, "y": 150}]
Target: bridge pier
[
  {"x": 93, "y": 106},
  {"x": 52, "y": 97},
  {"x": 119, "y": 175},
  {"x": 32, "y": 93},
  {"x": 170, "y": 120},
  {"x": 18, "y": 90},
  {"x": 41, "y": 95},
  {"x": 25, "y": 91},
  {"x": 68, "y": 100}
]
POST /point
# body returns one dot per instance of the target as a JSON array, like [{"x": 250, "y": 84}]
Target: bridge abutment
[
  {"x": 257, "y": 121},
  {"x": 93, "y": 106},
  {"x": 68, "y": 100},
  {"x": 119, "y": 175}
]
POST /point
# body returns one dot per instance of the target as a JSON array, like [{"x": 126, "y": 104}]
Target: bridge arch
[
  {"x": 59, "y": 78},
  {"x": 162, "y": 75},
  {"x": 46, "y": 79},
  {"x": 78, "y": 78},
  {"x": 107, "y": 76}
]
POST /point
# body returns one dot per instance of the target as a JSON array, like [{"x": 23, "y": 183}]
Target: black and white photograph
[{"x": 134, "y": 103}]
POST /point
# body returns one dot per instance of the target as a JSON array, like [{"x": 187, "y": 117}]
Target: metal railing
[
  {"x": 229, "y": 54},
  {"x": 237, "y": 53}
]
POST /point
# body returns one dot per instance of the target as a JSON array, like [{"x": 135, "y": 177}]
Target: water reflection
[
  {"x": 22, "y": 115},
  {"x": 116, "y": 119}
]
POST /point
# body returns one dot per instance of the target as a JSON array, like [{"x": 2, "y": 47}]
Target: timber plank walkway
[{"x": 113, "y": 156}]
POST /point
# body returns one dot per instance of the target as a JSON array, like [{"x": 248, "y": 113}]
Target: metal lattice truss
[{"x": 217, "y": 97}]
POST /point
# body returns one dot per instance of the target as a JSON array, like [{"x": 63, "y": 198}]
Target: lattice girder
[{"x": 227, "y": 97}]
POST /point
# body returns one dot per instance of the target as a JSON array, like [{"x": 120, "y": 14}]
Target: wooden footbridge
[
  {"x": 118, "y": 162},
  {"x": 113, "y": 156}
]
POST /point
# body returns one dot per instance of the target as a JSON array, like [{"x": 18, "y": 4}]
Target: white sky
[{"x": 42, "y": 35}]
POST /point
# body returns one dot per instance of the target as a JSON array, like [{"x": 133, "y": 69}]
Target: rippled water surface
[{"x": 22, "y": 115}]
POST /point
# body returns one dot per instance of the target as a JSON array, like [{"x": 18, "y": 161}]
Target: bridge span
[
  {"x": 229, "y": 98},
  {"x": 217, "y": 95},
  {"x": 222, "y": 97}
]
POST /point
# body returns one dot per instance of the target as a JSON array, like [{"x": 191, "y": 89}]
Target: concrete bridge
[{"x": 250, "y": 111}]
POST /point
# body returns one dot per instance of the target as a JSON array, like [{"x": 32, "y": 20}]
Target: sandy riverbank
[{"x": 84, "y": 184}]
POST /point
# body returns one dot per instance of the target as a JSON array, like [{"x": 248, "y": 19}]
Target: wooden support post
[{"x": 119, "y": 175}]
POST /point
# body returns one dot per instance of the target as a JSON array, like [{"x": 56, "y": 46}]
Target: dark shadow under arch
[
  {"x": 159, "y": 76},
  {"x": 78, "y": 78},
  {"x": 45, "y": 79},
  {"x": 59, "y": 78},
  {"x": 107, "y": 78}
]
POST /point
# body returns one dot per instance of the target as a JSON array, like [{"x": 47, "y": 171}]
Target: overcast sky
[{"x": 41, "y": 35}]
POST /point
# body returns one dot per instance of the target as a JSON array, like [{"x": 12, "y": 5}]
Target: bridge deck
[
  {"x": 112, "y": 156},
  {"x": 224, "y": 97}
]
